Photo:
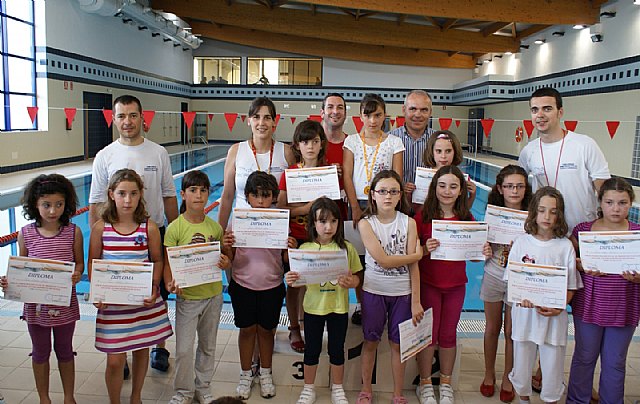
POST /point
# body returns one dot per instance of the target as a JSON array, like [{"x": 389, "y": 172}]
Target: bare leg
[
  {"x": 113, "y": 376},
  {"x": 41, "y": 375},
  {"x": 508, "y": 350},
  {"x": 68, "y": 377},
  {"x": 447, "y": 360},
  {"x": 493, "y": 316},
  {"x": 337, "y": 374},
  {"x": 265, "y": 343},
  {"x": 368, "y": 360},
  {"x": 246, "y": 344},
  {"x": 139, "y": 372},
  {"x": 397, "y": 369},
  {"x": 310, "y": 373}
]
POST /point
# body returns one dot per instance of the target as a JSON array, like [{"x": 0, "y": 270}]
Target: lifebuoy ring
[{"x": 519, "y": 134}]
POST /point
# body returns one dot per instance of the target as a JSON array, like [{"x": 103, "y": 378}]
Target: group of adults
[{"x": 571, "y": 162}]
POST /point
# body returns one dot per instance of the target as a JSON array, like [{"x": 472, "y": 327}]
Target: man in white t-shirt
[
  {"x": 151, "y": 162},
  {"x": 571, "y": 162}
]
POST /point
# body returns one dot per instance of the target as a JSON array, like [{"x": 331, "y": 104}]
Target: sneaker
[
  {"x": 338, "y": 396},
  {"x": 267, "y": 388},
  {"x": 160, "y": 359},
  {"x": 180, "y": 399},
  {"x": 204, "y": 397},
  {"x": 446, "y": 394},
  {"x": 244, "y": 385},
  {"x": 356, "y": 317},
  {"x": 307, "y": 396},
  {"x": 425, "y": 394}
]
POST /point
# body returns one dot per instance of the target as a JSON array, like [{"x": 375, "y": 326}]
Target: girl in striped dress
[
  {"x": 50, "y": 200},
  {"x": 126, "y": 233}
]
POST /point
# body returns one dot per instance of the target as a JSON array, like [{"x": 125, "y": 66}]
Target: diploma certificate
[
  {"x": 422, "y": 183},
  {"x": 43, "y": 281},
  {"x": 318, "y": 266},
  {"x": 261, "y": 228},
  {"x": 309, "y": 184},
  {"x": 611, "y": 252},
  {"x": 504, "y": 224},
  {"x": 195, "y": 264},
  {"x": 121, "y": 282},
  {"x": 459, "y": 241},
  {"x": 542, "y": 285},
  {"x": 414, "y": 339}
]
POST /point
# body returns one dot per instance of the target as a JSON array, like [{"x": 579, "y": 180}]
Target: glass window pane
[
  {"x": 21, "y": 75},
  {"x": 20, "y": 37},
  {"x": 254, "y": 71},
  {"x": 2, "y": 108},
  {"x": 19, "y": 115},
  {"x": 315, "y": 72},
  {"x": 20, "y": 9}
]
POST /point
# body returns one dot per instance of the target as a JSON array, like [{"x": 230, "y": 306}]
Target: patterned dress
[{"x": 122, "y": 328}]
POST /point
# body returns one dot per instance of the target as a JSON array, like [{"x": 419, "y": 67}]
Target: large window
[
  {"x": 216, "y": 70},
  {"x": 284, "y": 71},
  {"x": 18, "y": 64}
]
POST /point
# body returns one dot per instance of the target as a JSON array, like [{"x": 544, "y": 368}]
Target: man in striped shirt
[{"x": 414, "y": 133}]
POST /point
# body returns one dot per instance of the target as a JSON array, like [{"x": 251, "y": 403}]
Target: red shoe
[
  {"x": 487, "y": 390},
  {"x": 507, "y": 396}
]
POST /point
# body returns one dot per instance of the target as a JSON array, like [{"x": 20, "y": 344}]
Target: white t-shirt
[
  {"x": 149, "y": 160},
  {"x": 527, "y": 324},
  {"x": 393, "y": 239},
  {"x": 384, "y": 160},
  {"x": 582, "y": 162},
  {"x": 246, "y": 164}
]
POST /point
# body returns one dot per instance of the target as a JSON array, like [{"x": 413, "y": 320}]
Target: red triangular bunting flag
[
  {"x": 108, "y": 116},
  {"x": 445, "y": 123},
  {"x": 70, "y": 114},
  {"x": 612, "y": 127},
  {"x": 457, "y": 123},
  {"x": 293, "y": 120},
  {"x": 243, "y": 117},
  {"x": 357, "y": 121},
  {"x": 148, "y": 118},
  {"x": 210, "y": 116},
  {"x": 277, "y": 119},
  {"x": 528, "y": 126},
  {"x": 32, "y": 111},
  {"x": 392, "y": 121},
  {"x": 487, "y": 124},
  {"x": 189, "y": 116},
  {"x": 316, "y": 118},
  {"x": 399, "y": 121},
  {"x": 571, "y": 125},
  {"x": 231, "y": 118}
]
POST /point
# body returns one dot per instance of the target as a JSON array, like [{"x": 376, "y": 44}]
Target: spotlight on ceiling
[
  {"x": 539, "y": 41},
  {"x": 523, "y": 46},
  {"x": 579, "y": 26},
  {"x": 486, "y": 61},
  {"x": 608, "y": 14},
  {"x": 558, "y": 33},
  {"x": 508, "y": 53},
  {"x": 596, "y": 33}
]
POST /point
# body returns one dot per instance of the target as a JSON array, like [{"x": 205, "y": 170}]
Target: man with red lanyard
[
  {"x": 334, "y": 113},
  {"x": 571, "y": 162}
]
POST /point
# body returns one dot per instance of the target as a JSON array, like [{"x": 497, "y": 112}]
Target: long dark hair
[
  {"x": 497, "y": 198},
  {"x": 403, "y": 204},
  {"x": 322, "y": 209},
  {"x": 194, "y": 178},
  {"x": 44, "y": 185},
  {"x": 305, "y": 131},
  {"x": 431, "y": 207},
  {"x": 560, "y": 227}
]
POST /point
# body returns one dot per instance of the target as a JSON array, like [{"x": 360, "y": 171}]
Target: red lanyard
[
  {"x": 544, "y": 167},
  {"x": 255, "y": 155}
]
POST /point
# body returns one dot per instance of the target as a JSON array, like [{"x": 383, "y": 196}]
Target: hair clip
[{"x": 443, "y": 136}]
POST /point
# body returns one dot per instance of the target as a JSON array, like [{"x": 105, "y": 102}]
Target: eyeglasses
[
  {"x": 385, "y": 192},
  {"x": 518, "y": 187}
]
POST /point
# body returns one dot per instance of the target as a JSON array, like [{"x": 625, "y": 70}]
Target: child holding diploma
[
  {"x": 256, "y": 291},
  {"x": 511, "y": 190},
  {"x": 309, "y": 147},
  {"x": 606, "y": 311},
  {"x": 125, "y": 233},
  {"x": 50, "y": 200},
  {"x": 442, "y": 283},
  {"x": 328, "y": 302},
  {"x": 197, "y": 307},
  {"x": 538, "y": 328},
  {"x": 391, "y": 290}
]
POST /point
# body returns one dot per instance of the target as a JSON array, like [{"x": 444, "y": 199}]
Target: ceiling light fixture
[
  {"x": 558, "y": 33},
  {"x": 540, "y": 41},
  {"x": 608, "y": 14},
  {"x": 486, "y": 61},
  {"x": 579, "y": 26},
  {"x": 523, "y": 46},
  {"x": 508, "y": 53}
]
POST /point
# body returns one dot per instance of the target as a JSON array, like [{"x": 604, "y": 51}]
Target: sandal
[
  {"x": 296, "y": 344},
  {"x": 536, "y": 383},
  {"x": 364, "y": 398}
]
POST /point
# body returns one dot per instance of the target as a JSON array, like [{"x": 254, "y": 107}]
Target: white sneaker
[
  {"x": 244, "y": 385},
  {"x": 307, "y": 396},
  {"x": 180, "y": 399},
  {"x": 425, "y": 394},
  {"x": 204, "y": 397},
  {"x": 446, "y": 394},
  {"x": 267, "y": 388},
  {"x": 338, "y": 396}
]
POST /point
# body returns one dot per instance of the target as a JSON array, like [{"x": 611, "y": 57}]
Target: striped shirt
[
  {"x": 607, "y": 301},
  {"x": 413, "y": 151},
  {"x": 58, "y": 247},
  {"x": 129, "y": 247}
]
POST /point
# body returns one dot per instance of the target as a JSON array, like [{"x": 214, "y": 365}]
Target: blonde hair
[{"x": 109, "y": 212}]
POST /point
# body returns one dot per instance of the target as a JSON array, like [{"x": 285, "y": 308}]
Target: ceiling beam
[
  {"x": 302, "y": 23},
  {"x": 549, "y": 12},
  {"x": 447, "y": 24},
  {"x": 534, "y": 29},
  {"x": 493, "y": 28},
  {"x": 333, "y": 49}
]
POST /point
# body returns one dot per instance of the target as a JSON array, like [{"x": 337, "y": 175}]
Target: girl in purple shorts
[{"x": 391, "y": 290}]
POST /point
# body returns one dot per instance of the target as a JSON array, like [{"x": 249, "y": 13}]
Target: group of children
[{"x": 399, "y": 282}]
